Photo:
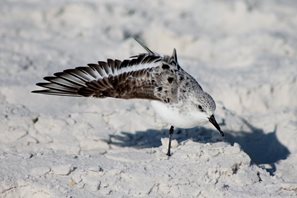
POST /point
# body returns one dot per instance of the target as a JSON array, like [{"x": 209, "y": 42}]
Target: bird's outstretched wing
[{"x": 146, "y": 76}]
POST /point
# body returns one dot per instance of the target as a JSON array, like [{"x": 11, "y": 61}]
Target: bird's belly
[{"x": 174, "y": 117}]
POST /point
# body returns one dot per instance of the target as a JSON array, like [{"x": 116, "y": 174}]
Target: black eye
[{"x": 200, "y": 107}]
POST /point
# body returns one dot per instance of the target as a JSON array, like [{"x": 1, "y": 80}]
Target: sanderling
[{"x": 175, "y": 95}]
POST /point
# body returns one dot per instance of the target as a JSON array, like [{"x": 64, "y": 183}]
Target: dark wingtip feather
[
  {"x": 58, "y": 74},
  {"x": 143, "y": 45},
  {"x": 52, "y": 92},
  {"x": 36, "y": 91},
  {"x": 42, "y": 84},
  {"x": 49, "y": 78}
]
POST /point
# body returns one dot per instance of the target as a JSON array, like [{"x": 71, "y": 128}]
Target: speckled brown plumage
[
  {"x": 176, "y": 96},
  {"x": 145, "y": 76}
]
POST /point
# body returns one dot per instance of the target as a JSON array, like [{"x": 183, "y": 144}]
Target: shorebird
[{"x": 174, "y": 94}]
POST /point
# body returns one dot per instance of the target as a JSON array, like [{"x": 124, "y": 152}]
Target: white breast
[{"x": 178, "y": 118}]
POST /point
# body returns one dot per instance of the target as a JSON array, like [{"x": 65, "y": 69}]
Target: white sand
[{"x": 243, "y": 52}]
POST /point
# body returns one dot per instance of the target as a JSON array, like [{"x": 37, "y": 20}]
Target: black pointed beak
[{"x": 213, "y": 121}]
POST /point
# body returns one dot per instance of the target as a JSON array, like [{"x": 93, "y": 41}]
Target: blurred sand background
[{"x": 244, "y": 53}]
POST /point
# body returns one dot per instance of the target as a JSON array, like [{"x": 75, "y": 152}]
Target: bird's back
[{"x": 145, "y": 76}]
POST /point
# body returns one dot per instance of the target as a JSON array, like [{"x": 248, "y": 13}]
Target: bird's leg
[{"x": 170, "y": 137}]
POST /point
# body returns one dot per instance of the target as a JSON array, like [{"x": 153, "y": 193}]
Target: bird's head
[{"x": 205, "y": 107}]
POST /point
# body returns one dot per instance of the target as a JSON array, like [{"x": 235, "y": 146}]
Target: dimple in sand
[{"x": 175, "y": 95}]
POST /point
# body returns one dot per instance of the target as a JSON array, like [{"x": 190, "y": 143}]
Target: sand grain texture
[{"x": 243, "y": 52}]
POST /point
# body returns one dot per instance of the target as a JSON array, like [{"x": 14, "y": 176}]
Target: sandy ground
[{"x": 244, "y": 53}]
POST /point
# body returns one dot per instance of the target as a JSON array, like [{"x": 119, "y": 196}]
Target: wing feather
[
  {"x": 145, "y": 76},
  {"x": 105, "y": 79}
]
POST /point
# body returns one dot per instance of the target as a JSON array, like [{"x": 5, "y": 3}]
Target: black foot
[{"x": 170, "y": 137}]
